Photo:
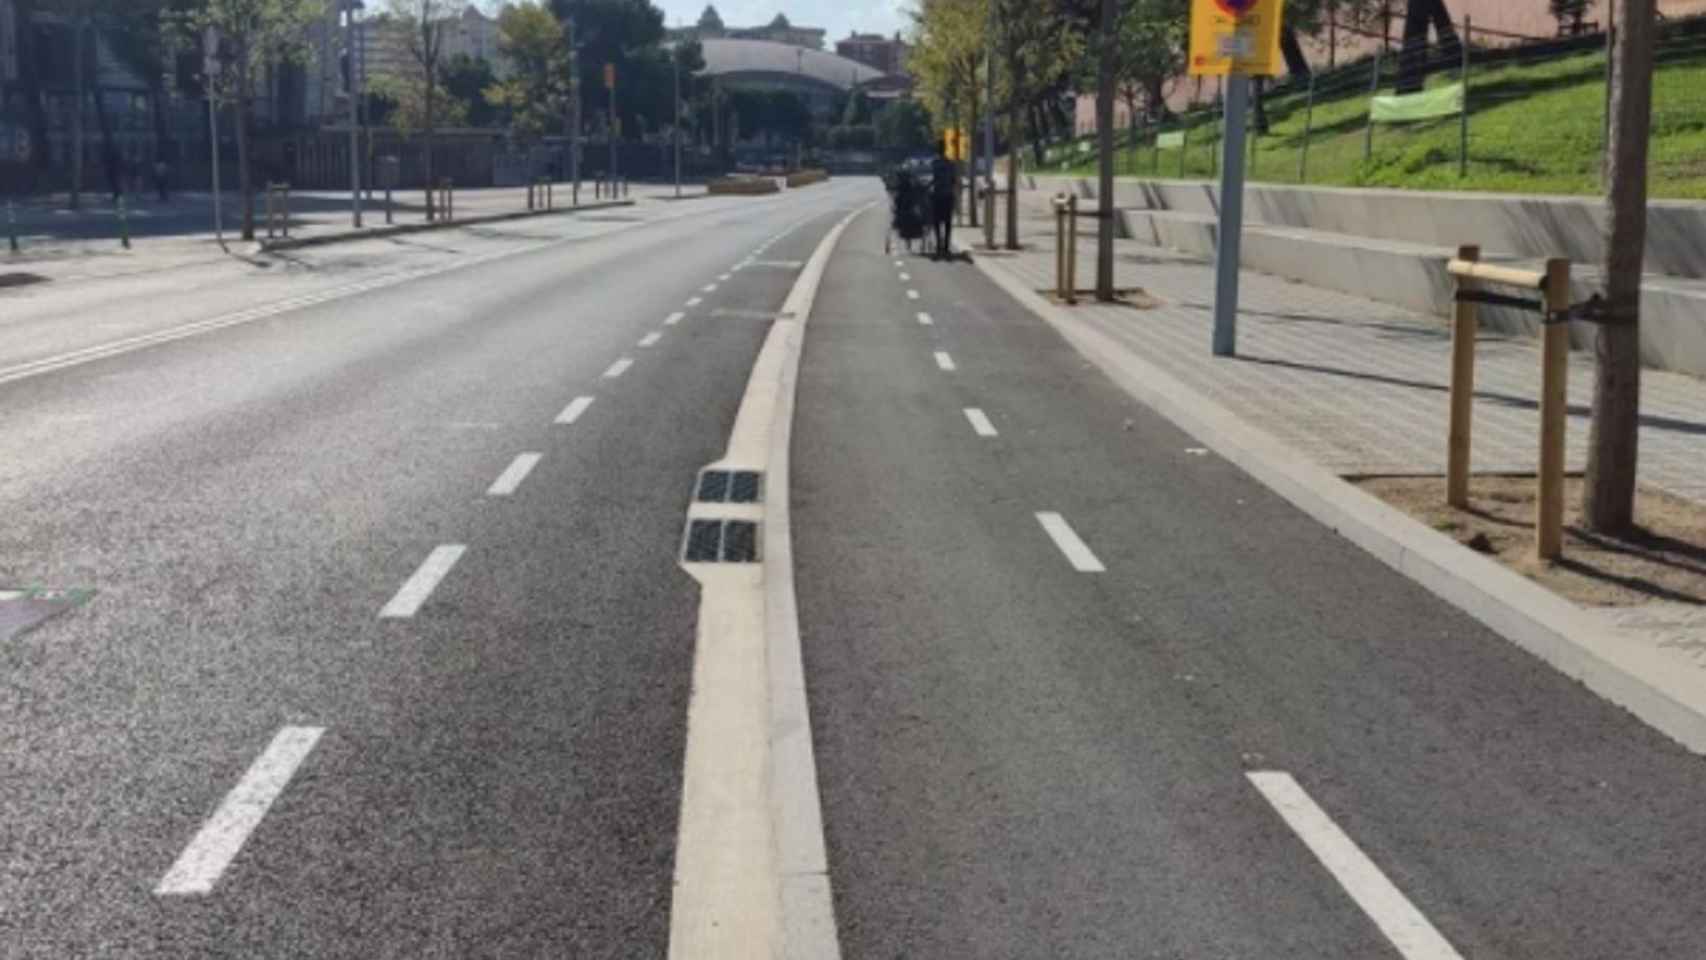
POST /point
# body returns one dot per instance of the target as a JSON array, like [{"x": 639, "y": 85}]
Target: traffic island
[{"x": 743, "y": 187}]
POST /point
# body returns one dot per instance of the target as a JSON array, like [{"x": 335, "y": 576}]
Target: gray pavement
[
  {"x": 389, "y": 653},
  {"x": 1019, "y": 759},
  {"x": 499, "y": 774}
]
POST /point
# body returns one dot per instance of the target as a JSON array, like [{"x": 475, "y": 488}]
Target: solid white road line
[
  {"x": 1403, "y": 924},
  {"x": 618, "y": 368},
  {"x": 945, "y": 362},
  {"x": 980, "y": 423},
  {"x": 573, "y": 411},
  {"x": 510, "y": 480},
  {"x": 651, "y": 339},
  {"x": 674, "y": 319},
  {"x": 220, "y": 839},
  {"x": 420, "y": 586},
  {"x": 925, "y": 319},
  {"x": 912, "y": 294},
  {"x": 1077, "y": 552},
  {"x": 695, "y": 301}
]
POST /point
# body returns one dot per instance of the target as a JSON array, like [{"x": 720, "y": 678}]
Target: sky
[{"x": 839, "y": 17}]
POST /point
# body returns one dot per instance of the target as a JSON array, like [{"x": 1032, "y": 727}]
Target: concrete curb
[
  {"x": 1635, "y": 677},
  {"x": 395, "y": 230}
]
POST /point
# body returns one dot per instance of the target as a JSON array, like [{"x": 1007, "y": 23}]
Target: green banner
[
  {"x": 1170, "y": 141},
  {"x": 1427, "y": 105}
]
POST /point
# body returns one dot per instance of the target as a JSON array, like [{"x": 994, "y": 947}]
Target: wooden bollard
[
  {"x": 1554, "y": 403},
  {"x": 1459, "y": 445}
]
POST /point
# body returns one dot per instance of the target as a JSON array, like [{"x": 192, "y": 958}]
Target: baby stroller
[{"x": 911, "y": 203}]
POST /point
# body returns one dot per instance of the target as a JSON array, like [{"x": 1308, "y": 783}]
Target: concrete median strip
[
  {"x": 344, "y": 236},
  {"x": 751, "y": 868},
  {"x": 1547, "y": 626}
]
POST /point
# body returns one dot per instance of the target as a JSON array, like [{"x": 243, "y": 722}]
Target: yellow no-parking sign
[{"x": 1235, "y": 36}]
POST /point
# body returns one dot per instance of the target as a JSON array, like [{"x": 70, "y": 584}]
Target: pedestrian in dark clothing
[
  {"x": 944, "y": 194},
  {"x": 160, "y": 179}
]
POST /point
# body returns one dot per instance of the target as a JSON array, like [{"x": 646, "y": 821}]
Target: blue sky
[{"x": 839, "y": 17}]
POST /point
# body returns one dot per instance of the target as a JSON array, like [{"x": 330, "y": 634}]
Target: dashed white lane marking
[
  {"x": 651, "y": 339},
  {"x": 1410, "y": 932},
  {"x": 695, "y": 301},
  {"x": 511, "y": 479},
  {"x": 925, "y": 319},
  {"x": 912, "y": 294},
  {"x": 906, "y": 278},
  {"x": 945, "y": 362},
  {"x": 419, "y": 587},
  {"x": 674, "y": 319},
  {"x": 618, "y": 368},
  {"x": 900, "y": 263},
  {"x": 221, "y": 838},
  {"x": 724, "y": 278},
  {"x": 708, "y": 288},
  {"x": 980, "y": 423},
  {"x": 573, "y": 411},
  {"x": 1077, "y": 552}
]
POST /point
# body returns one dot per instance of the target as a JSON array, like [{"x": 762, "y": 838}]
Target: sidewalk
[{"x": 1327, "y": 384}]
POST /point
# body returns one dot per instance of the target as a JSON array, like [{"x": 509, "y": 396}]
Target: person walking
[
  {"x": 160, "y": 178},
  {"x": 944, "y": 195}
]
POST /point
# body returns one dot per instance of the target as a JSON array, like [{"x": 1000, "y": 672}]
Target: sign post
[{"x": 1232, "y": 39}]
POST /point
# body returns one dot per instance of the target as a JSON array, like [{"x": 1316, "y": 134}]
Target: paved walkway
[{"x": 1358, "y": 386}]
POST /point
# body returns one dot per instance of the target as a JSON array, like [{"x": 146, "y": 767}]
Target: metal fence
[{"x": 1533, "y": 118}]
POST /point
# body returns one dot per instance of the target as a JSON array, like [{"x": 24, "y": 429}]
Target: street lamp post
[
  {"x": 574, "y": 115},
  {"x": 675, "y": 55},
  {"x": 353, "y": 85}
]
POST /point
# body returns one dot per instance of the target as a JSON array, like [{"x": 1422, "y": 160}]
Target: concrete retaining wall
[{"x": 1392, "y": 246}]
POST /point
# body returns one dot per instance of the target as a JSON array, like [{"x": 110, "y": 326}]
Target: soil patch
[{"x": 1664, "y": 560}]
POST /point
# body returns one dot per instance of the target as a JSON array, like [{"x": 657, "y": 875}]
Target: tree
[
  {"x": 465, "y": 80},
  {"x": 422, "y": 26},
  {"x": 254, "y": 36},
  {"x": 627, "y": 34},
  {"x": 1153, "y": 36},
  {"x": 904, "y": 127},
  {"x": 1039, "y": 43},
  {"x": 1570, "y": 14},
  {"x": 536, "y": 89},
  {"x": 1608, "y": 504}
]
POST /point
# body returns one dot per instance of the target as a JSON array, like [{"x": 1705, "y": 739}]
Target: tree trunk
[
  {"x": 244, "y": 178},
  {"x": 1105, "y": 150},
  {"x": 976, "y": 141},
  {"x": 1296, "y": 63},
  {"x": 430, "y": 123},
  {"x": 77, "y": 114},
  {"x": 1015, "y": 142},
  {"x": 1608, "y": 503}
]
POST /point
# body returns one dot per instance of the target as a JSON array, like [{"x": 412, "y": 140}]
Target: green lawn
[{"x": 1532, "y": 129}]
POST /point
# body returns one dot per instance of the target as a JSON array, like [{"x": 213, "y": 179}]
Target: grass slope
[{"x": 1533, "y": 128}]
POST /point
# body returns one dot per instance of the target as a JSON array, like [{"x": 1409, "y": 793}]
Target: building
[
  {"x": 779, "y": 30},
  {"x": 823, "y": 78},
  {"x": 876, "y": 51}
]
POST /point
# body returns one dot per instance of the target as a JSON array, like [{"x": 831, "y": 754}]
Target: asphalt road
[
  {"x": 1019, "y": 759},
  {"x": 497, "y": 775},
  {"x": 389, "y": 654}
]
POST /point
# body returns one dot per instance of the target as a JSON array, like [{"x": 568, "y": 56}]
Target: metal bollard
[
  {"x": 388, "y": 220},
  {"x": 123, "y": 223},
  {"x": 530, "y": 196},
  {"x": 12, "y": 226},
  {"x": 1072, "y": 249}
]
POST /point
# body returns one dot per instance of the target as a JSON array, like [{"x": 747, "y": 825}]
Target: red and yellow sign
[{"x": 1235, "y": 36}]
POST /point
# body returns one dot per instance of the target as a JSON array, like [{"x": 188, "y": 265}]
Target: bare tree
[
  {"x": 1608, "y": 504},
  {"x": 424, "y": 24}
]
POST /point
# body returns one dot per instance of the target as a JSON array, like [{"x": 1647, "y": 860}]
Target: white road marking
[
  {"x": 221, "y": 838},
  {"x": 1410, "y": 932},
  {"x": 912, "y": 294},
  {"x": 980, "y": 423},
  {"x": 906, "y": 278},
  {"x": 925, "y": 319},
  {"x": 674, "y": 319},
  {"x": 900, "y": 263},
  {"x": 1077, "y": 552},
  {"x": 694, "y": 302},
  {"x": 618, "y": 368},
  {"x": 573, "y": 411},
  {"x": 419, "y": 587},
  {"x": 708, "y": 288},
  {"x": 651, "y": 339},
  {"x": 725, "y": 277},
  {"x": 945, "y": 362},
  {"x": 510, "y": 480}
]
